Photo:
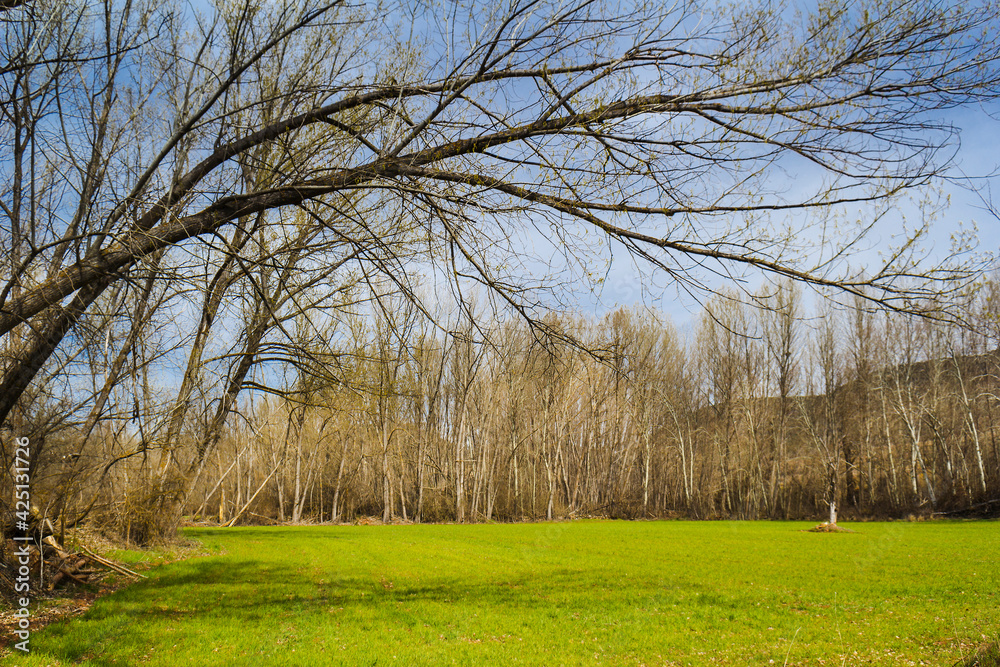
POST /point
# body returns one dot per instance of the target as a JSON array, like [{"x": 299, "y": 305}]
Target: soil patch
[{"x": 828, "y": 528}]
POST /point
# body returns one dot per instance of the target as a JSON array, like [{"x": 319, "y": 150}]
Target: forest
[
  {"x": 755, "y": 413},
  {"x": 309, "y": 261}
]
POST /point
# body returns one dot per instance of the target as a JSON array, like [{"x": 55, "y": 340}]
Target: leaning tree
[{"x": 471, "y": 140}]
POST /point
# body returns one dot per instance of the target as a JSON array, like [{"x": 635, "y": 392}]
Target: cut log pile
[
  {"x": 62, "y": 566},
  {"x": 82, "y": 567}
]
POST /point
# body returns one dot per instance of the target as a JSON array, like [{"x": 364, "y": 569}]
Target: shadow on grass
[
  {"x": 187, "y": 603},
  {"x": 269, "y": 585},
  {"x": 987, "y": 656}
]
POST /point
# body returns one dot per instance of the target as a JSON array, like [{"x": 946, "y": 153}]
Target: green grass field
[{"x": 662, "y": 593}]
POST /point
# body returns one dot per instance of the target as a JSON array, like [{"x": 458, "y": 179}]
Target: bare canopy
[{"x": 666, "y": 130}]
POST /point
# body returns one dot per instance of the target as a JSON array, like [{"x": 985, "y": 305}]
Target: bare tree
[
  {"x": 273, "y": 149},
  {"x": 823, "y": 419},
  {"x": 908, "y": 398},
  {"x": 780, "y": 325},
  {"x": 670, "y": 119}
]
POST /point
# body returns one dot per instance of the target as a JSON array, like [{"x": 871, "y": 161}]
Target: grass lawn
[{"x": 655, "y": 593}]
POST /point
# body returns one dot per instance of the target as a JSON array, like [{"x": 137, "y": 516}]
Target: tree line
[{"x": 755, "y": 413}]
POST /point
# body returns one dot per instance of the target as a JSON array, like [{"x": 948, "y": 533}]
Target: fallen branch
[
  {"x": 970, "y": 508},
  {"x": 231, "y": 522},
  {"x": 121, "y": 569}
]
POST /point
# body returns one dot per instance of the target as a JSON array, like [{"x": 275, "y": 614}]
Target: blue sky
[
  {"x": 959, "y": 206},
  {"x": 627, "y": 282}
]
